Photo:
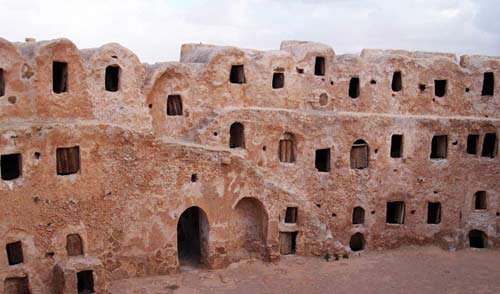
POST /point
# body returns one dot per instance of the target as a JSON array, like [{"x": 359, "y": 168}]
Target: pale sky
[{"x": 155, "y": 29}]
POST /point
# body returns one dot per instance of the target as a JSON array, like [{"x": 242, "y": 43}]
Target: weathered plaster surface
[{"x": 137, "y": 162}]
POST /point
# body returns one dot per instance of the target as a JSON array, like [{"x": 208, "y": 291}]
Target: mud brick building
[{"x": 112, "y": 169}]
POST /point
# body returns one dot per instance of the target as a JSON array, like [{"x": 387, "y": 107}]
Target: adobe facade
[{"x": 113, "y": 169}]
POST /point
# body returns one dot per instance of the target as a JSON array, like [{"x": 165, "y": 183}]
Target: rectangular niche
[
  {"x": 68, "y": 160},
  {"x": 17, "y": 285},
  {"x": 2, "y": 83},
  {"x": 10, "y": 166},
  {"x": 15, "y": 253},
  {"x": 174, "y": 105},
  {"x": 439, "y": 148},
  {"x": 319, "y": 66},
  {"x": 440, "y": 88},
  {"x": 433, "y": 212},
  {"x": 396, "y": 146},
  {"x": 291, "y": 215},
  {"x": 489, "y": 145},
  {"x": 488, "y": 84},
  {"x": 237, "y": 75},
  {"x": 472, "y": 144},
  {"x": 288, "y": 241},
  {"x": 395, "y": 212},
  {"x": 85, "y": 282},
  {"x": 322, "y": 161},
  {"x": 59, "y": 77},
  {"x": 278, "y": 80}
]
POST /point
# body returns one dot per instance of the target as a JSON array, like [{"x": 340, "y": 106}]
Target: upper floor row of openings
[
  {"x": 237, "y": 76},
  {"x": 113, "y": 75},
  {"x": 60, "y": 77}
]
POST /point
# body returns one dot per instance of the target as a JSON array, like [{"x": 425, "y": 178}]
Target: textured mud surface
[{"x": 407, "y": 270}]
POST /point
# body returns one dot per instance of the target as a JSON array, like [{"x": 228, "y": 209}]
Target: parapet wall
[{"x": 271, "y": 153}]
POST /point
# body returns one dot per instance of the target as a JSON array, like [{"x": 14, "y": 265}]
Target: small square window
[
  {"x": 15, "y": 253},
  {"x": 85, "y": 282},
  {"x": 112, "y": 79},
  {"x": 395, "y": 212},
  {"x": 439, "y": 147},
  {"x": 237, "y": 75},
  {"x": 440, "y": 88},
  {"x": 174, "y": 105},
  {"x": 489, "y": 145},
  {"x": 472, "y": 143},
  {"x": 396, "y": 146},
  {"x": 480, "y": 201},
  {"x": 278, "y": 80},
  {"x": 68, "y": 160},
  {"x": 322, "y": 161},
  {"x": 291, "y": 215},
  {"x": 11, "y": 166},
  {"x": 433, "y": 212},
  {"x": 2, "y": 83},
  {"x": 59, "y": 77},
  {"x": 319, "y": 66},
  {"x": 354, "y": 87}
]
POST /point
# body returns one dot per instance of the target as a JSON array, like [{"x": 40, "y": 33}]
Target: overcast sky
[{"x": 155, "y": 29}]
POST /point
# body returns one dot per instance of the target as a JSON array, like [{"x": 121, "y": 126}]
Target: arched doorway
[
  {"x": 478, "y": 239},
  {"x": 357, "y": 242},
  {"x": 192, "y": 237},
  {"x": 250, "y": 228}
]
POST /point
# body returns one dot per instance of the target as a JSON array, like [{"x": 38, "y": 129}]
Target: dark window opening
[
  {"x": 11, "y": 166},
  {"x": 237, "y": 136},
  {"x": 354, "y": 88},
  {"x": 112, "y": 79},
  {"x": 395, "y": 212},
  {"x": 421, "y": 87},
  {"x": 59, "y": 77},
  {"x": 319, "y": 66},
  {"x": 397, "y": 83},
  {"x": 396, "y": 146},
  {"x": 488, "y": 84},
  {"x": 472, "y": 144},
  {"x": 194, "y": 178},
  {"x": 322, "y": 160},
  {"x": 287, "y": 148},
  {"x": 359, "y": 155},
  {"x": 489, "y": 145},
  {"x": 278, "y": 80},
  {"x": 68, "y": 160},
  {"x": 2, "y": 83},
  {"x": 85, "y": 282},
  {"x": 237, "y": 75},
  {"x": 288, "y": 242},
  {"x": 291, "y": 215},
  {"x": 15, "y": 253},
  {"x": 174, "y": 105},
  {"x": 480, "y": 201},
  {"x": 440, "y": 88},
  {"x": 358, "y": 215},
  {"x": 433, "y": 212},
  {"x": 439, "y": 147},
  {"x": 16, "y": 286},
  {"x": 357, "y": 242},
  {"x": 74, "y": 245},
  {"x": 478, "y": 239}
]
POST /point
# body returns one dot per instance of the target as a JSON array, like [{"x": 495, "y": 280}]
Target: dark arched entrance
[
  {"x": 192, "y": 237},
  {"x": 357, "y": 242}
]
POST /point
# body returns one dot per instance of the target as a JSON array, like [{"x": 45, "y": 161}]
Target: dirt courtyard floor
[{"x": 406, "y": 270}]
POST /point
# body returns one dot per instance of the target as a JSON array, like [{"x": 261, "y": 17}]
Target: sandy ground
[{"x": 406, "y": 270}]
